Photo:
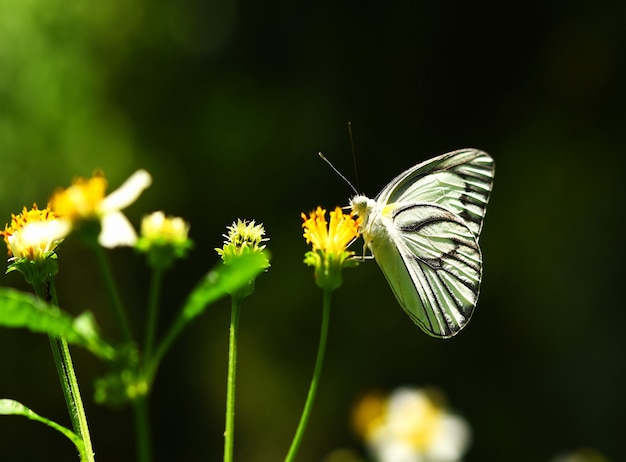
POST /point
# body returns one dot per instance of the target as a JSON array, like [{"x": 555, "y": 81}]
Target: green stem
[
  {"x": 69, "y": 383},
  {"x": 65, "y": 386},
  {"x": 80, "y": 416},
  {"x": 116, "y": 301},
  {"x": 164, "y": 345},
  {"x": 140, "y": 405},
  {"x": 308, "y": 406},
  {"x": 153, "y": 310},
  {"x": 229, "y": 432},
  {"x": 142, "y": 429}
]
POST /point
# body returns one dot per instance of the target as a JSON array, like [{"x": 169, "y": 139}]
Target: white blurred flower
[
  {"x": 411, "y": 425},
  {"x": 85, "y": 200}
]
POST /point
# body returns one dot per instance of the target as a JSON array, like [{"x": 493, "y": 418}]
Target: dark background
[{"x": 226, "y": 104}]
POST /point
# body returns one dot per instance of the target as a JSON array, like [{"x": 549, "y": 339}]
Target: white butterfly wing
[
  {"x": 433, "y": 264},
  {"x": 459, "y": 181},
  {"x": 423, "y": 231}
]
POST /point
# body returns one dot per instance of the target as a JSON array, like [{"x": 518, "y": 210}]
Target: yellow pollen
[
  {"x": 330, "y": 238},
  {"x": 81, "y": 200},
  {"x": 369, "y": 415}
]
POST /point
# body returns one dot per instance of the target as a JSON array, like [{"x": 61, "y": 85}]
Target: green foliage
[
  {"x": 22, "y": 310},
  {"x": 224, "y": 279},
  {"x": 123, "y": 382},
  {"x": 35, "y": 271},
  {"x": 12, "y": 407}
]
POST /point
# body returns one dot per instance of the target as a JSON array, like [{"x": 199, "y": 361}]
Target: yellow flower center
[
  {"x": 81, "y": 200},
  {"x": 417, "y": 423},
  {"x": 411, "y": 419},
  {"x": 333, "y": 238}
]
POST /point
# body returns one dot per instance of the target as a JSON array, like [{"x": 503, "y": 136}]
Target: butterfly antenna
[
  {"x": 356, "y": 174},
  {"x": 338, "y": 172}
]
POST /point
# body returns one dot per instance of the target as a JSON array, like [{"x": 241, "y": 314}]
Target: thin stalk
[
  {"x": 116, "y": 301},
  {"x": 142, "y": 429},
  {"x": 229, "y": 431},
  {"x": 65, "y": 386},
  {"x": 319, "y": 361},
  {"x": 141, "y": 408},
  {"x": 79, "y": 409},
  {"x": 164, "y": 345},
  {"x": 69, "y": 383},
  {"x": 140, "y": 404},
  {"x": 153, "y": 310}
]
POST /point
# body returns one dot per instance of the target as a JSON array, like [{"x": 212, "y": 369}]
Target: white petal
[
  {"x": 38, "y": 237},
  {"x": 128, "y": 193},
  {"x": 49, "y": 230},
  {"x": 451, "y": 439},
  {"x": 397, "y": 451},
  {"x": 116, "y": 231}
]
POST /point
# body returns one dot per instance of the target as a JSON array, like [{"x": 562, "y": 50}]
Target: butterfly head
[{"x": 362, "y": 206}]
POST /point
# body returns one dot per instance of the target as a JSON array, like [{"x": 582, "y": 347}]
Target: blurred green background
[{"x": 226, "y": 104}]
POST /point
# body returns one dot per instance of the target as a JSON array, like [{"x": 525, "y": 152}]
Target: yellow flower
[
  {"x": 329, "y": 243},
  {"x": 33, "y": 234},
  {"x": 342, "y": 231},
  {"x": 411, "y": 424},
  {"x": 85, "y": 201},
  {"x": 82, "y": 200}
]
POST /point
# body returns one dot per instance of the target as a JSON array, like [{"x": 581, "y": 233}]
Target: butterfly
[{"x": 423, "y": 230}]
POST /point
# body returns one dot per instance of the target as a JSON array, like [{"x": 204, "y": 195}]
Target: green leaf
[
  {"x": 223, "y": 280},
  {"x": 12, "y": 407},
  {"x": 23, "y": 310}
]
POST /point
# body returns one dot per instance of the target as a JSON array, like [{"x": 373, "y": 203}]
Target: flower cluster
[
  {"x": 329, "y": 254},
  {"x": 411, "y": 425},
  {"x": 33, "y": 236},
  {"x": 83, "y": 208}
]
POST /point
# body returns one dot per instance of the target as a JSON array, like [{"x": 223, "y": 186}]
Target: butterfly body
[{"x": 423, "y": 230}]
